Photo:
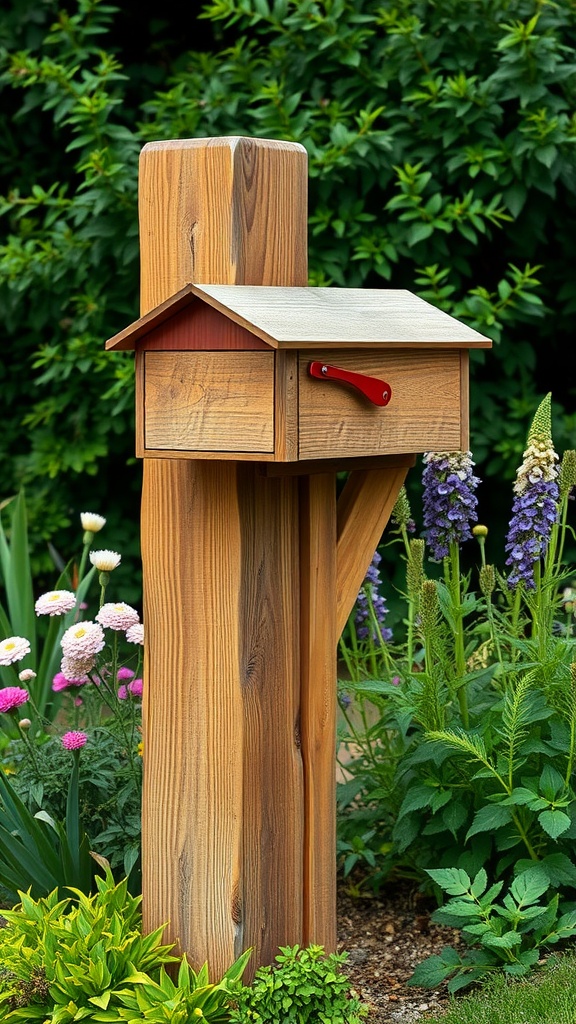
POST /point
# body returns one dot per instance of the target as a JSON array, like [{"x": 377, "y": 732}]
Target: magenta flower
[
  {"x": 124, "y": 673},
  {"x": 12, "y": 697},
  {"x": 74, "y": 739},
  {"x": 63, "y": 682},
  {"x": 133, "y": 689}
]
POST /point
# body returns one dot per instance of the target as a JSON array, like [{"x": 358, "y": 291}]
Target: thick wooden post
[
  {"x": 225, "y": 795},
  {"x": 248, "y": 579}
]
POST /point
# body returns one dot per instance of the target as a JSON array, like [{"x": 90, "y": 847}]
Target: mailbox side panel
[{"x": 425, "y": 413}]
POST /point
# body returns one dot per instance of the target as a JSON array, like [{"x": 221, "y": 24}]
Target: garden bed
[{"x": 386, "y": 936}]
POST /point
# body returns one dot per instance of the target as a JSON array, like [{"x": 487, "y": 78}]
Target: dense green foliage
[
  {"x": 511, "y": 929},
  {"x": 85, "y": 958},
  {"x": 461, "y": 736},
  {"x": 441, "y": 143},
  {"x": 302, "y": 985}
]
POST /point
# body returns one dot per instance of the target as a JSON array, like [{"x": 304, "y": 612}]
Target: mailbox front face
[
  {"x": 209, "y": 402},
  {"x": 266, "y": 406},
  {"x": 427, "y": 409}
]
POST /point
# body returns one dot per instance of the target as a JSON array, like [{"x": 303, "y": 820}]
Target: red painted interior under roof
[{"x": 198, "y": 327}]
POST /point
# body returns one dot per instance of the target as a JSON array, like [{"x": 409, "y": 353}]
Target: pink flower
[
  {"x": 133, "y": 689},
  {"x": 26, "y": 675},
  {"x": 74, "y": 740},
  {"x": 135, "y": 635},
  {"x": 125, "y": 673},
  {"x": 12, "y": 697},
  {"x": 14, "y": 648},
  {"x": 55, "y": 602},
  {"x": 77, "y": 668},
  {"x": 117, "y": 616},
  {"x": 83, "y": 640},
  {"x": 63, "y": 682}
]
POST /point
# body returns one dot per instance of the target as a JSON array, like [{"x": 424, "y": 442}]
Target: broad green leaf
[
  {"x": 435, "y": 969},
  {"x": 554, "y": 822},
  {"x": 529, "y": 886},
  {"x": 489, "y": 818},
  {"x": 551, "y": 783},
  {"x": 454, "y": 881}
]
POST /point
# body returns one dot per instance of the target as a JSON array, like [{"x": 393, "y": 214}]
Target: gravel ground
[{"x": 386, "y": 936}]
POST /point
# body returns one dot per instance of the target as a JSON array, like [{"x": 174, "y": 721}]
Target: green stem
[{"x": 459, "y": 655}]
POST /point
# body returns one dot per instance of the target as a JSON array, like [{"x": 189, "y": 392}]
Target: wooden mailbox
[
  {"x": 253, "y": 392},
  {"x": 291, "y": 374}
]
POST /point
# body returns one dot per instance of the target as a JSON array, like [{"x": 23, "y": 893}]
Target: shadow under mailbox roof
[{"x": 323, "y": 317}]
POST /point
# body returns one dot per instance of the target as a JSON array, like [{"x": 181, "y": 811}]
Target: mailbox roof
[{"x": 318, "y": 317}]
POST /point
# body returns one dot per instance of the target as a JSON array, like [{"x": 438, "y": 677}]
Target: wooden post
[{"x": 241, "y": 572}]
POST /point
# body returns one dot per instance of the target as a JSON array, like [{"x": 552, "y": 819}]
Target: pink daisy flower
[
  {"x": 14, "y": 648},
  {"x": 83, "y": 640},
  {"x": 55, "y": 602},
  {"x": 135, "y": 634},
  {"x": 117, "y": 616}
]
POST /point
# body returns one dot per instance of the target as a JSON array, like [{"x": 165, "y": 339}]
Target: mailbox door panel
[
  {"x": 209, "y": 401},
  {"x": 426, "y": 411}
]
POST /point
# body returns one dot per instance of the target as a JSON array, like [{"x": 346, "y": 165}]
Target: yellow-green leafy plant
[{"x": 86, "y": 958}]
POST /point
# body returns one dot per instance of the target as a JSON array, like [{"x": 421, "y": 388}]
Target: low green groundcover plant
[
  {"x": 304, "y": 986},
  {"x": 510, "y": 930},
  {"x": 85, "y": 958}
]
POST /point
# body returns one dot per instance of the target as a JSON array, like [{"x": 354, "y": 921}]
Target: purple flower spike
[
  {"x": 370, "y": 595},
  {"x": 535, "y": 507},
  {"x": 449, "y": 500}
]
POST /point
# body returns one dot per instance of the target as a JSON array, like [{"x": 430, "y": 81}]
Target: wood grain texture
[
  {"x": 322, "y": 317},
  {"x": 319, "y": 704},
  {"x": 424, "y": 413},
  {"x": 465, "y": 401},
  {"x": 314, "y": 466},
  {"x": 209, "y": 401},
  {"x": 193, "y": 711},
  {"x": 350, "y": 317},
  {"x": 286, "y": 407},
  {"x": 223, "y": 806},
  {"x": 241, "y": 209},
  {"x": 269, "y": 643},
  {"x": 364, "y": 508}
]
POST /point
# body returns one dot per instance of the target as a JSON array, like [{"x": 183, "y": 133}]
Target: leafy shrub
[
  {"x": 510, "y": 934},
  {"x": 463, "y": 743},
  {"x": 441, "y": 148},
  {"x": 62, "y": 957},
  {"x": 303, "y": 985},
  {"x": 85, "y": 958}
]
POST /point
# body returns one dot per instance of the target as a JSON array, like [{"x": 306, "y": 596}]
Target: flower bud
[{"x": 487, "y": 577}]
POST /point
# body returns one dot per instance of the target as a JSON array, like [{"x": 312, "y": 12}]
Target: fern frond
[{"x": 470, "y": 745}]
